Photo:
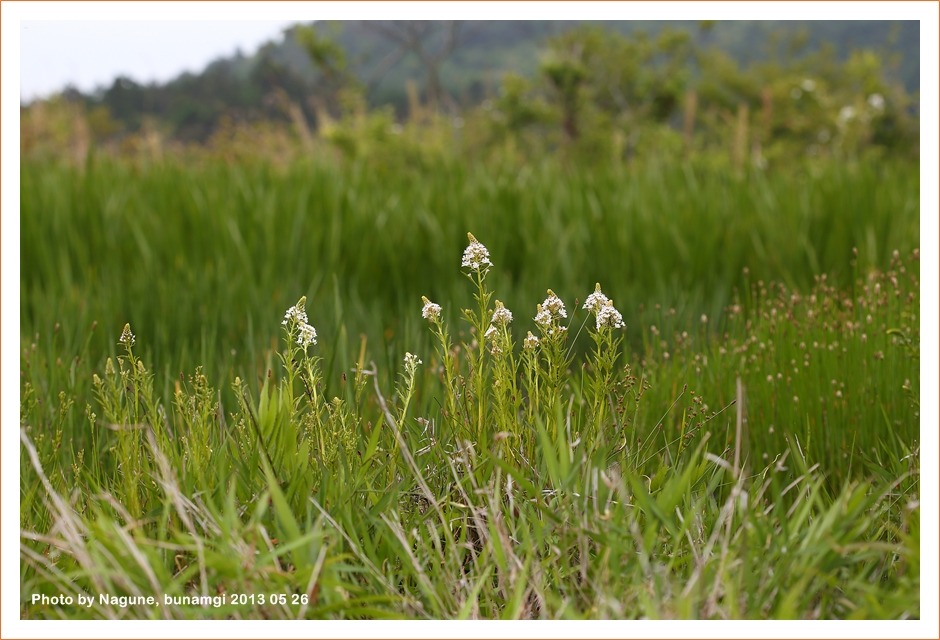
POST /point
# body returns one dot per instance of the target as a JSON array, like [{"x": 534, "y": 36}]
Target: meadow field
[{"x": 299, "y": 389}]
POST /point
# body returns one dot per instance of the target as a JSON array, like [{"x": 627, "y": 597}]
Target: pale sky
[
  {"x": 91, "y": 53},
  {"x": 67, "y": 45}
]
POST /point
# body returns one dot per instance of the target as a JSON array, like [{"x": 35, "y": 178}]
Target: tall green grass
[
  {"x": 195, "y": 255},
  {"x": 749, "y": 450}
]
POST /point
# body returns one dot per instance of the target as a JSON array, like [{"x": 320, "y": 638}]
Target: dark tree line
[{"x": 633, "y": 70}]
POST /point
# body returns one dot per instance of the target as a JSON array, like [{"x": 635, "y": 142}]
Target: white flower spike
[
  {"x": 127, "y": 338},
  {"x": 476, "y": 257},
  {"x": 306, "y": 335},
  {"x": 295, "y": 319},
  {"x": 431, "y": 311},
  {"x": 554, "y": 306},
  {"x": 543, "y": 317},
  {"x": 530, "y": 342},
  {"x": 411, "y": 361},
  {"x": 297, "y": 312},
  {"x": 501, "y": 316},
  {"x": 608, "y": 316},
  {"x": 596, "y": 300}
]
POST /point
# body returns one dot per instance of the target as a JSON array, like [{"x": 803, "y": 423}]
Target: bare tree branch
[{"x": 417, "y": 37}]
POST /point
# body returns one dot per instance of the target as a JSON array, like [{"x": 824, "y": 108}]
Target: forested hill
[
  {"x": 457, "y": 64},
  {"x": 485, "y": 49}
]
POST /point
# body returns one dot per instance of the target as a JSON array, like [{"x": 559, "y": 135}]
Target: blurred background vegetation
[
  {"x": 745, "y": 93},
  {"x": 748, "y": 193},
  {"x": 676, "y": 162}
]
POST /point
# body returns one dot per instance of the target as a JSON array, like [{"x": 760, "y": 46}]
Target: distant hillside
[
  {"x": 462, "y": 62},
  {"x": 485, "y": 50}
]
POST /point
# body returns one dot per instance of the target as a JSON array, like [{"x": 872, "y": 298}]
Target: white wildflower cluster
[
  {"x": 492, "y": 338},
  {"x": 127, "y": 338},
  {"x": 530, "y": 342},
  {"x": 543, "y": 317},
  {"x": 501, "y": 316},
  {"x": 596, "y": 300},
  {"x": 550, "y": 312},
  {"x": 296, "y": 313},
  {"x": 295, "y": 319},
  {"x": 411, "y": 362},
  {"x": 603, "y": 308},
  {"x": 501, "y": 319},
  {"x": 608, "y": 316},
  {"x": 554, "y": 306},
  {"x": 431, "y": 311},
  {"x": 306, "y": 335},
  {"x": 476, "y": 256}
]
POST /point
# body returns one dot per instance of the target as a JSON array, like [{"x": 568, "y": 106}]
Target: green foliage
[
  {"x": 617, "y": 96},
  {"x": 742, "y": 442},
  {"x": 608, "y": 89},
  {"x": 218, "y": 245},
  {"x": 325, "y": 54},
  {"x": 462, "y": 465}
]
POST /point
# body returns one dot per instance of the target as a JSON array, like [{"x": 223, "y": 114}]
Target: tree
[{"x": 432, "y": 42}]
